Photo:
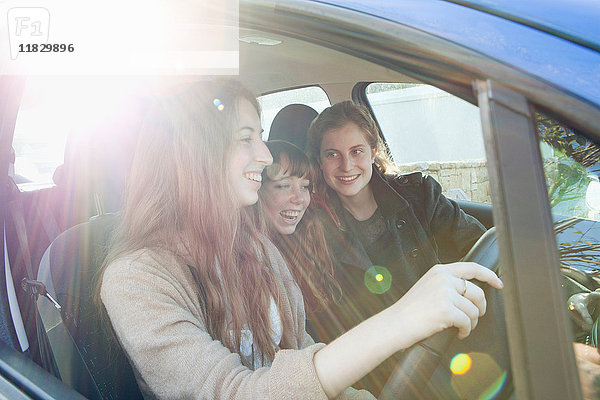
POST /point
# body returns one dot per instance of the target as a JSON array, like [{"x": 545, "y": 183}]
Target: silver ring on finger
[{"x": 464, "y": 289}]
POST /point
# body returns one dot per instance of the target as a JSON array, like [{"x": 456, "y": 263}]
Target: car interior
[{"x": 67, "y": 222}]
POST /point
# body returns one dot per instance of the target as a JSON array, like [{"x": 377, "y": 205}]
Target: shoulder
[
  {"x": 145, "y": 261},
  {"x": 145, "y": 271},
  {"x": 415, "y": 183},
  {"x": 411, "y": 181},
  {"x": 413, "y": 178}
]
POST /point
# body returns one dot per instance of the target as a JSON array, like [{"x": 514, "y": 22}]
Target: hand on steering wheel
[
  {"x": 444, "y": 297},
  {"x": 414, "y": 371}
]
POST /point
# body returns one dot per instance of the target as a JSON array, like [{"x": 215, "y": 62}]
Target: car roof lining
[
  {"x": 296, "y": 63},
  {"x": 414, "y": 55}
]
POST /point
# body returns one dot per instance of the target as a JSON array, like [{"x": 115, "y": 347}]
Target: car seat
[
  {"x": 88, "y": 359},
  {"x": 91, "y": 181},
  {"x": 291, "y": 124}
]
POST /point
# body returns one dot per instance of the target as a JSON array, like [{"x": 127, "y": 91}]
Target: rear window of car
[{"x": 271, "y": 103}]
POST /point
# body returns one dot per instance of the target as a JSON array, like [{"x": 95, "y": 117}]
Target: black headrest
[{"x": 291, "y": 124}]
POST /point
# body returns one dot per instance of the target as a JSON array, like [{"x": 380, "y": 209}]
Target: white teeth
[
  {"x": 290, "y": 214},
  {"x": 347, "y": 178},
  {"x": 253, "y": 176}
]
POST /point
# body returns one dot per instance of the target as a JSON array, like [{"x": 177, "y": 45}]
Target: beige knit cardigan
[{"x": 154, "y": 308}]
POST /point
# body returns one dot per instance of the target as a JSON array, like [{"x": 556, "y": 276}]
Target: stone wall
[{"x": 460, "y": 180}]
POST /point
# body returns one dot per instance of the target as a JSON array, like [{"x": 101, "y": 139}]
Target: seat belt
[{"x": 29, "y": 284}]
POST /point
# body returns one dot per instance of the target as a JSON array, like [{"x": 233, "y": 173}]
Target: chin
[
  {"x": 286, "y": 230},
  {"x": 349, "y": 192},
  {"x": 247, "y": 201}
]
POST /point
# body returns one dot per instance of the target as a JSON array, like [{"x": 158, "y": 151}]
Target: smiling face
[
  {"x": 286, "y": 198},
  {"x": 249, "y": 155},
  {"x": 346, "y": 160}
]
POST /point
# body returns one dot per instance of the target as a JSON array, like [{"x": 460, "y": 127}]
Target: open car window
[{"x": 430, "y": 130}]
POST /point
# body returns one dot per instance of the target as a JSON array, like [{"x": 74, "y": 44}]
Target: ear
[{"x": 373, "y": 152}]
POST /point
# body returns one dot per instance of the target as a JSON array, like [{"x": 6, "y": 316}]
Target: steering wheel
[{"x": 413, "y": 376}]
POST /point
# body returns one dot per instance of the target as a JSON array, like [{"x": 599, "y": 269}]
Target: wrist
[{"x": 399, "y": 326}]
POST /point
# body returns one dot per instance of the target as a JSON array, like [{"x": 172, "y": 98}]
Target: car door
[
  {"x": 20, "y": 377},
  {"x": 460, "y": 51},
  {"x": 485, "y": 59}
]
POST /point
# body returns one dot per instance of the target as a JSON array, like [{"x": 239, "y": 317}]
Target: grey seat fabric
[
  {"x": 88, "y": 359},
  {"x": 291, "y": 124}
]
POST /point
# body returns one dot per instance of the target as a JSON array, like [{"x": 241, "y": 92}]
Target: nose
[
  {"x": 262, "y": 155},
  {"x": 297, "y": 197},
  {"x": 347, "y": 163}
]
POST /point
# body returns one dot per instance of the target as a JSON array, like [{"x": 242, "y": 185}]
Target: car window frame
[
  {"x": 527, "y": 242},
  {"x": 20, "y": 377}
]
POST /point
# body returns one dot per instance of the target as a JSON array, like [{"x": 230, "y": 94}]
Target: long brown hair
[
  {"x": 305, "y": 251},
  {"x": 178, "y": 199},
  {"x": 336, "y": 117}
]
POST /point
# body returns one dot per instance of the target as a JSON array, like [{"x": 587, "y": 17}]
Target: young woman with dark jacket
[{"x": 384, "y": 230}]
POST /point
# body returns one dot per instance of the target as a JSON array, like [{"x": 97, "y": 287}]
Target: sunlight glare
[
  {"x": 477, "y": 376},
  {"x": 54, "y": 109}
]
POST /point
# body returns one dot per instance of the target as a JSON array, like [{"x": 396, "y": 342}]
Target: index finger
[{"x": 471, "y": 270}]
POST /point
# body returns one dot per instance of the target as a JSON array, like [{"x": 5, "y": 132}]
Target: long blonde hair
[{"x": 178, "y": 197}]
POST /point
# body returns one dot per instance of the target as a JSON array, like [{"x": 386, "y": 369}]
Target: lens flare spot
[
  {"x": 217, "y": 103},
  {"x": 460, "y": 364},
  {"x": 495, "y": 388},
  {"x": 378, "y": 279},
  {"x": 477, "y": 376}
]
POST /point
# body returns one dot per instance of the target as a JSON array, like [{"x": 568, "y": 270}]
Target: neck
[{"x": 362, "y": 205}]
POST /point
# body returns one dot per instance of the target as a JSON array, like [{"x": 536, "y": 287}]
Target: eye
[
  {"x": 331, "y": 154},
  {"x": 282, "y": 186},
  {"x": 306, "y": 187},
  {"x": 357, "y": 151}
]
